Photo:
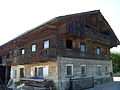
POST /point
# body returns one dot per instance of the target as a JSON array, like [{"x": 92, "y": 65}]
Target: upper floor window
[
  {"x": 82, "y": 47},
  {"x": 69, "y": 44},
  {"x": 8, "y": 55},
  {"x": 99, "y": 70},
  {"x": 69, "y": 69},
  {"x": 83, "y": 70},
  {"x": 23, "y": 51},
  {"x": 98, "y": 51},
  {"x": 46, "y": 44},
  {"x": 15, "y": 52},
  {"x": 33, "y": 48}
]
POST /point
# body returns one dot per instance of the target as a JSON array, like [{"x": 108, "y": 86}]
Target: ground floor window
[
  {"x": 99, "y": 70},
  {"x": 40, "y": 71},
  {"x": 69, "y": 69},
  {"x": 14, "y": 73},
  {"x": 21, "y": 72},
  {"x": 106, "y": 70},
  {"x": 83, "y": 70}
]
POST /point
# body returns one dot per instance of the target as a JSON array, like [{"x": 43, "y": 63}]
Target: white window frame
[
  {"x": 23, "y": 51},
  {"x": 98, "y": 51},
  {"x": 85, "y": 69},
  {"x": 100, "y": 69},
  {"x": 34, "y": 46},
  {"x": 72, "y": 69},
  {"x": 15, "y": 73},
  {"x": 46, "y": 44},
  {"x": 45, "y": 70}
]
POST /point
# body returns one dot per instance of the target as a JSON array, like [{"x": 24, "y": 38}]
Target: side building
[{"x": 72, "y": 46}]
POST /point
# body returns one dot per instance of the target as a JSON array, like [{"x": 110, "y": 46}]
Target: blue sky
[{"x": 18, "y": 16}]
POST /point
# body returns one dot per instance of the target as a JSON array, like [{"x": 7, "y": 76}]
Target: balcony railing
[
  {"x": 84, "y": 55},
  {"x": 41, "y": 55}
]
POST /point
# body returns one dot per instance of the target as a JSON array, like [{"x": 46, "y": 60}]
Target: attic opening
[{"x": 69, "y": 44}]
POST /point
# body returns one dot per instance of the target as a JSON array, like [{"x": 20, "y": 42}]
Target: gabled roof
[{"x": 64, "y": 17}]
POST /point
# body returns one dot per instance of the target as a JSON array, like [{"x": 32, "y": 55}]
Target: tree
[{"x": 115, "y": 57}]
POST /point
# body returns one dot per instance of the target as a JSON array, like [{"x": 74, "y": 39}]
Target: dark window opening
[
  {"x": 8, "y": 55},
  {"x": 35, "y": 71},
  {"x": 69, "y": 44},
  {"x": 0, "y": 59},
  {"x": 21, "y": 72}
]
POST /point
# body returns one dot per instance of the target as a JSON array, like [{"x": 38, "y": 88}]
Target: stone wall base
[{"x": 103, "y": 80}]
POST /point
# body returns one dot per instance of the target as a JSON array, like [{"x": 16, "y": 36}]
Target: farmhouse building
[{"x": 64, "y": 48}]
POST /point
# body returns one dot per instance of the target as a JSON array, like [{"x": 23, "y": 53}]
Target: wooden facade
[{"x": 90, "y": 28}]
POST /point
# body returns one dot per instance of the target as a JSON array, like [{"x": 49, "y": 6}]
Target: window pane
[
  {"x": 82, "y": 48},
  {"x": 46, "y": 44},
  {"x": 99, "y": 70},
  {"x": 33, "y": 48},
  {"x": 40, "y": 71},
  {"x": 69, "y": 44},
  {"x": 15, "y": 74},
  {"x": 23, "y": 51},
  {"x": 15, "y": 52},
  {"x": 69, "y": 70},
  {"x": 98, "y": 51},
  {"x": 106, "y": 70},
  {"x": 83, "y": 70}
]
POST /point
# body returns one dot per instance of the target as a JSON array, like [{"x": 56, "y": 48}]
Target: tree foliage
[{"x": 115, "y": 57}]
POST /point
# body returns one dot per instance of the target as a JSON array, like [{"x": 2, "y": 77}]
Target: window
[
  {"x": 106, "y": 70},
  {"x": 23, "y": 51},
  {"x": 69, "y": 44},
  {"x": 46, "y": 44},
  {"x": 41, "y": 71},
  {"x": 82, "y": 47},
  {"x": 15, "y": 74},
  {"x": 15, "y": 52},
  {"x": 69, "y": 68},
  {"x": 33, "y": 48},
  {"x": 99, "y": 70},
  {"x": 21, "y": 72},
  {"x": 83, "y": 70},
  {"x": 8, "y": 55},
  {"x": 98, "y": 51}
]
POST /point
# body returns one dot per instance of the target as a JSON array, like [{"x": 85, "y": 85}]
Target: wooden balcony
[
  {"x": 41, "y": 55},
  {"x": 83, "y": 55}
]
